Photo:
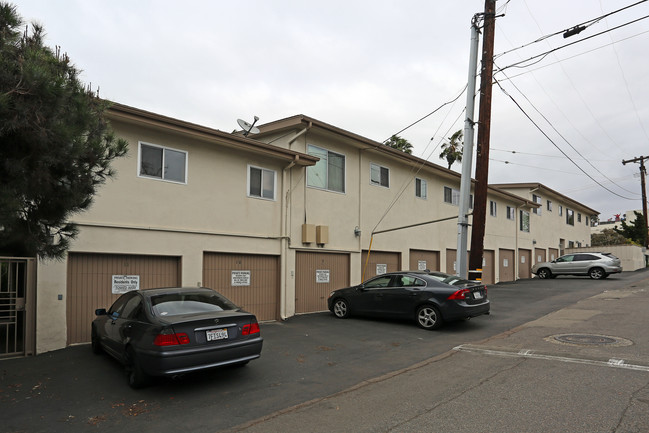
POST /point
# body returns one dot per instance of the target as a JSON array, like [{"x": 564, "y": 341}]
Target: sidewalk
[{"x": 581, "y": 369}]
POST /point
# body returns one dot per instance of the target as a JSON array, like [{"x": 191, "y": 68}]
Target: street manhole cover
[{"x": 589, "y": 340}]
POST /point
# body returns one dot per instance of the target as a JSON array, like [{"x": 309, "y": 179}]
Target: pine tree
[{"x": 55, "y": 144}]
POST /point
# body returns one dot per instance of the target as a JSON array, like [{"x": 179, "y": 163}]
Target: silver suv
[{"x": 595, "y": 265}]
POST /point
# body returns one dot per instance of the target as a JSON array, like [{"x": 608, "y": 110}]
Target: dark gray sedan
[
  {"x": 171, "y": 331},
  {"x": 430, "y": 298}
]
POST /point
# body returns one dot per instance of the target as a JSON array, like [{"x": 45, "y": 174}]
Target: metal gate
[{"x": 17, "y": 288}]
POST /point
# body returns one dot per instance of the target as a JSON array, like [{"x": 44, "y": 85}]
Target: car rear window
[
  {"x": 453, "y": 280},
  {"x": 174, "y": 304}
]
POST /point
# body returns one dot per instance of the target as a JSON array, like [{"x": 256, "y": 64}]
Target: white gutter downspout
[{"x": 284, "y": 229}]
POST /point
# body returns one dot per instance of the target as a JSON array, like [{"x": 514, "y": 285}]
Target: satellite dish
[{"x": 247, "y": 127}]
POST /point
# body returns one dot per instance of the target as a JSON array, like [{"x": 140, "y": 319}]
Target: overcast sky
[{"x": 375, "y": 67}]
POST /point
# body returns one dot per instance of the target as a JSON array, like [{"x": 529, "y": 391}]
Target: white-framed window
[
  {"x": 549, "y": 206},
  {"x": 570, "y": 217},
  {"x": 160, "y": 162},
  {"x": 560, "y": 210},
  {"x": 537, "y": 199},
  {"x": 452, "y": 196},
  {"x": 578, "y": 217},
  {"x": 492, "y": 208},
  {"x": 329, "y": 172},
  {"x": 261, "y": 182},
  {"x": 379, "y": 175},
  {"x": 511, "y": 213},
  {"x": 525, "y": 221},
  {"x": 421, "y": 188}
]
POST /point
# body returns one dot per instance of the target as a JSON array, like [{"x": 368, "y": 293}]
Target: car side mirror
[{"x": 100, "y": 312}]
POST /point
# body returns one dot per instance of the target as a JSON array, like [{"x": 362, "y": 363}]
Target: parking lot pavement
[
  {"x": 584, "y": 368},
  {"x": 369, "y": 375}
]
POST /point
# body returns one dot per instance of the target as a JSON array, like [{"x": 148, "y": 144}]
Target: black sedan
[
  {"x": 430, "y": 298},
  {"x": 171, "y": 331}
]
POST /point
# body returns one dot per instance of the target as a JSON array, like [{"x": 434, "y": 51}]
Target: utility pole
[
  {"x": 482, "y": 157},
  {"x": 467, "y": 154},
  {"x": 643, "y": 174}
]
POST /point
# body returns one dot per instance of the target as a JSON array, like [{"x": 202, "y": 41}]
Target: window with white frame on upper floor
[
  {"x": 329, "y": 172},
  {"x": 578, "y": 217},
  {"x": 525, "y": 221},
  {"x": 421, "y": 188},
  {"x": 492, "y": 208},
  {"x": 570, "y": 217},
  {"x": 379, "y": 175},
  {"x": 452, "y": 196},
  {"x": 537, "y": 199},
  {"x": 261, "y": 182},
  {"x": 160, "y": 162},
  {"x": 511, "y": 213},
  {"x": 560, "y": 210},
  {"x": 549, "y": 207}
]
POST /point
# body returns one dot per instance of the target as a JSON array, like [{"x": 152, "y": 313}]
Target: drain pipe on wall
[{"x": 284, "y": 225}]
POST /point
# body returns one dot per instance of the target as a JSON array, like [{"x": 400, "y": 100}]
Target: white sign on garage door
[
  {"x": 240, "y": 278},
  {"x": 125, "y": 283}
]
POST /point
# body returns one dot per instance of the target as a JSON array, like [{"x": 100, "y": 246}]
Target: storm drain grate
[{"x": 589, "y": 340}]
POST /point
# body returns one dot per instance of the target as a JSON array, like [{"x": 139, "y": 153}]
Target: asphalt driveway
[{"x": 304, "y": 358}]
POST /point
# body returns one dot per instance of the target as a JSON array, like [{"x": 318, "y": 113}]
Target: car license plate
[
  {"x": 217, "y": 334},
  {"x": 477, "y": 295}
]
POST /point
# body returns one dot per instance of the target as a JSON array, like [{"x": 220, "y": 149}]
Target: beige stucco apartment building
[{"x": 277, "y": 220}]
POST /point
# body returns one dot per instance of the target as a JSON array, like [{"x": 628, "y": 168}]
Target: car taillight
[
  {"x": 171, "y": 339},
  {"x": 460, "y": 294},
  {"x": 253, "y": 328}
]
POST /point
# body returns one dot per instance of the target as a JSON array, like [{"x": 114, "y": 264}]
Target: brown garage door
[
  {"x": 380, "y": 262},
  {"x": 316, "y": 275},
  {"x": 554, "y": 254},
  {"x": 506, "y": 265},
  {"x": 90, "y": 280},
  {"x": 451, "y": 261},
  {"x": 524, "y": 263},
  {"x": 423, "y": 259},
  {"x": 488, "y": 267},
  {"x": 539, "y": 255},
  {"x": 249, "y": 280}
]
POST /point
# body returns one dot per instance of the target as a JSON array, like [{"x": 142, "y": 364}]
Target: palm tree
[
  {"x": 453, "y": 148},
  {"x": 399, "y": 143}
]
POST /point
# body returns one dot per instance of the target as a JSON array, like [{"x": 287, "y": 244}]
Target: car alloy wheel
[
  {"x": 428, "y": 317},
  {"x": 597, "y": 273},
  {"x": 341, "y": 308}
]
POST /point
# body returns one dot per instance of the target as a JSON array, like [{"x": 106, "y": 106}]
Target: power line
[
  {"x": 554, "y": 144},
  {"x": 543, "y": 55},
  {"x": 564, "y": 139},
  {"x": 511, "y": 77},
  {"x": 431, "y": 113},
  {"x": 581, "y": 26},
  {"x": 549, "y": 156},
  {"x": 628, "y": 91},
  {"x": 532, "y": 166}
]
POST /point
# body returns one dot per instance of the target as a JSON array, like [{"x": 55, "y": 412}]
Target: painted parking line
[{"x": 525, "y": 353}]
